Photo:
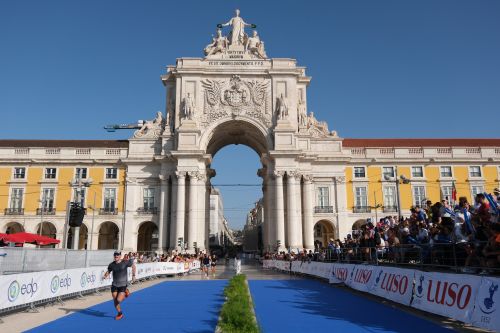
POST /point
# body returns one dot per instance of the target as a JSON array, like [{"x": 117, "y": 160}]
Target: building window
[
  {"x": 359, "y": 172},
  {"x": 323, "y": 197},
  {"x": 50, "y": 173},
  {"x": 111, "y": 173},
  {"x": 417, "y": 172},
  {"x": 390, "y": 197},
  {"x": 149, "y": 198},
  {"x": 19, "y": 173},
  {"x": 446, "y": 172},
  {"x": 475, "y": 190},
  {"x": 446, "y": 193},
  {"x": 475, "y": 171},
  {"x": 109, "y": 199},
  {"x": 48, "y": 199},
  {"x": 81, "y": 173},
  {"x": 418, "y": 195},
  {"x": 16, "y": 198},
  {"x": 388, "y": 172},
  {"x": 360, "y": 199}
]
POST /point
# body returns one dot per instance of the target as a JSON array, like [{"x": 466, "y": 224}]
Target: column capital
[
  {"x": 294, "y": 174},
  {"x": 180, "y": 174},
  {"x": 308, "y": 178},
  {"x": 278, "y": 173}
]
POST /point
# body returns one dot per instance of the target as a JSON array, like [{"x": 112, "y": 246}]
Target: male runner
[{"x": 119, "y": 286}]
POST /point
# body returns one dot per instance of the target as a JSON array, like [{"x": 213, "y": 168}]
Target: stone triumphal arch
[{"x": 235, "y": 95}]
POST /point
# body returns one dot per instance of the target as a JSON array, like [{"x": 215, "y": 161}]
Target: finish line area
[{"x": 282, "y": 302}]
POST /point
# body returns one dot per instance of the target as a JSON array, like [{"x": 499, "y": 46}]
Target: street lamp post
[
  {"x": 79, "y": 185},
  {"x": 92, "y": 227}
]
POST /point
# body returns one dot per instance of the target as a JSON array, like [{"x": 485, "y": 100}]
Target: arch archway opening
[
  {"x": 147, "y": 237},
  {"x": 359, "y": 224},
  {"x": 13, "y": 228},
  {"x": 108, "y": 236},
  {"x": 48, "y": 230},
  {"x": 82, "y": 239},
  {"x": 324, "y": 232}
]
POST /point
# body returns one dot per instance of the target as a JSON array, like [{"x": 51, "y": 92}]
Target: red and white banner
[
  {"x": 487, "y": 310},
  {"x": 395, "y": 284},
  {"x": 341, "y": 273},
  {"x": 449, "y": 295},
  {"x": 362, "y": 277}
]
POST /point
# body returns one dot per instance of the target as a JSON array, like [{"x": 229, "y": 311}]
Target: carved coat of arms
[{"x": 236, "y": 97}]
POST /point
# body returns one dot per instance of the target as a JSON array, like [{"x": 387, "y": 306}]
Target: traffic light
[
  {"x": 195, "y": 245},
  {"x": 179, "y": 242},
  {"x": 278, "y": 243},
  {"x": 76, "y": 215}
]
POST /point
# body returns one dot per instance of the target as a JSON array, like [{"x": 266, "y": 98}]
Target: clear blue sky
[{"x": 395, "y": 68}]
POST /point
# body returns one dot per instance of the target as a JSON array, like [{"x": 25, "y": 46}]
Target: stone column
[
  {"x": 280, "y": 213},
  {"x": 201, "y": 219},
  {"x": 271, "y": 220},
  {"x": 298, "y": 199},
  {"x": 173, "y": 215},
  {"x": 308, "y": 227},
  {"x": 163, "y": 215},
  {"x": 181, "y": 206},
  {"x": 193, "y": 209},
  {"x": 265, "y": 226},
  {"x": 292, "y": 230}
]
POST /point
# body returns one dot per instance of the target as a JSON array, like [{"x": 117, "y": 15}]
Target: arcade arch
[
  {"x": 82, "y": 239},
  {"x": 324, "y": 230},
  {"x": 108, "y": 236},
  {"x": 147, "y": 237},
  {"x": 13, "y": 227}
]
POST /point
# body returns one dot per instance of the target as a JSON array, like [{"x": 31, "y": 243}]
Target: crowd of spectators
[
  {"x": 173, "y": 256},
  {"x": 464, "y": 237}
]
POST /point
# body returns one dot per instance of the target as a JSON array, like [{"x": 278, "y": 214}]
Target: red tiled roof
[
  {"x": 65, "y": 143},
  {"x": 421, "y": 143}
]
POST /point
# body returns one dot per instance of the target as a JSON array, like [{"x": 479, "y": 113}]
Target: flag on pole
[{"x": 453, "y": 191}]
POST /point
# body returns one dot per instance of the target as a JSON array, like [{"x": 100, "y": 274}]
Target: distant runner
[
  {"x": 119, "y": 286},
  {"x": 213, "y": 264}
]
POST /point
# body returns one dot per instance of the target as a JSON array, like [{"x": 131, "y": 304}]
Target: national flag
[{"x": 453, "y": 191}]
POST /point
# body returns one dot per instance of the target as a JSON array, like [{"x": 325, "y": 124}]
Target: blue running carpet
[
  {"x": 312, "y": 306},
  {"x": 171, "y": 306}
]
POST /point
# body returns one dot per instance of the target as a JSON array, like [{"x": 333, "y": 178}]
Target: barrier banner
[
  {"x": 18, "y": 289},
  {"x": 341, "y": 273},
  {"x": 395, "y": 284},
  {"x": 267, "y": 264},
  {"x": 449, "y": 295},
  {"x": 487, "y": 310},
  {"x": 324, "y": 270},
  {"x": 362, "y": 277},
  {"x": 282, "y": 265}
]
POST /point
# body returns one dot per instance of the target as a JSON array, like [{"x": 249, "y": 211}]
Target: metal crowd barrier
[
  {"x": 24, "y": 260},
  {"x": 437, "y": 256}
]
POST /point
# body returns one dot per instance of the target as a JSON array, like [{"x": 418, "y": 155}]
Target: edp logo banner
[{"x": 487, "y": 311}]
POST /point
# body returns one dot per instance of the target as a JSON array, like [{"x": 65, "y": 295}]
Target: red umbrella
[{"x": 26, "y": 237}]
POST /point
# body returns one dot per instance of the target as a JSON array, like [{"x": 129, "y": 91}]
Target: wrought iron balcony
[
  {"x": 361, "y": 209},
  {"x": 323, "y": 209},
  {"x": 108, "y": 211},
  {"x": 14, "y": 211},
  {"x": 388, "y": 209},
  {"x": 146, "y": 210},
  {"x": 46, "y": 211}
]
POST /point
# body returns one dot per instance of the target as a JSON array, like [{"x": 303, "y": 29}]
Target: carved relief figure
[
  {"x": 255, "y": 45},
  {"x": 282, "y": 107},
  {"x": 237, "y": 35},
  {"x": 188, "y": 107},
  {"x": 151, "y": 128},
  {"x": 219, "y": 44}
]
